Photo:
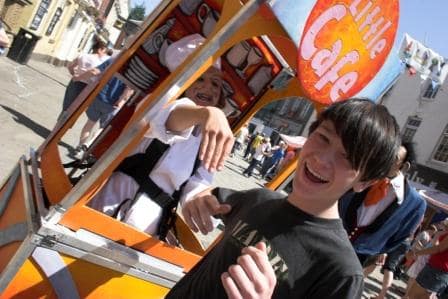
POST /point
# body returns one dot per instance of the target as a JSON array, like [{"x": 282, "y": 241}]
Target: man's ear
[
  {"x": 405, "y": 167},
  {"x": 361, "y": 186}
]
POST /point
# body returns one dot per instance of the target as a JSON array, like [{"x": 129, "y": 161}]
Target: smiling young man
[{"x": 295, "y": 246}]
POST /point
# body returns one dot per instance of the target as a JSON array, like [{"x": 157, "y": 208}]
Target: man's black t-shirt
[{"x": 312, "y": 257}]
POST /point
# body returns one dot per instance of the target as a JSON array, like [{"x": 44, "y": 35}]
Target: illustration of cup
[
  {"x": 261, "y": 77},
  {"x": 208, "y": 17},
  {"x": 237, "y": 55},
  {"x": 188, "y": 7},
  {"x": 253, "y": 57},
  {"x": 162, "y": 51},
  {"x": 155, "y": 40}
]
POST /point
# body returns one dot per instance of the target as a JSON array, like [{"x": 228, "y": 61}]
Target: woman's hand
[{"x": 217, "y": 138}]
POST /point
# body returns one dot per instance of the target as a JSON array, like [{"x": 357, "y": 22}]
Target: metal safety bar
[
  {"x": 37, "y": 186},
  {"x": 109, "y": 253}
]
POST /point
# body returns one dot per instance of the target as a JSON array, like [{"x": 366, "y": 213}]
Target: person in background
[
  {"x": 240, "y": 139},
  {"x": 382, "y": 218},
  {"x": 390, "y": 263},
  {"x": 170, "y": 165},
  {"x": 253, "y": 144},
  {"x": 78, "y": 67},
  {"x": 295, "y": 246},
  {"x": 108, "y": 101},
  {"x": 4, "y": 39},
  {"x": 250, "y": 139},
  {"x": 262, "y": 149},
  {"x": 433, "y": 278},
  {"x": 273, "y": 159},
  {"x": 424, "y": 239}
]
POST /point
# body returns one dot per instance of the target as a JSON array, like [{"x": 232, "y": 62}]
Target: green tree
[{"x": 138, "y": 12}]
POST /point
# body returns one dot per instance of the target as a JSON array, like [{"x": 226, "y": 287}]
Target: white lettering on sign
[
  {"x": 354, "y": 11},
  {"x": 324, "y": 62},
  {"x": 308, "y": 46}
]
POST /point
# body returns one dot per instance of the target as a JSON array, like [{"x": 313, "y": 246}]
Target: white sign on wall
[{"x": 424, "y": 60}]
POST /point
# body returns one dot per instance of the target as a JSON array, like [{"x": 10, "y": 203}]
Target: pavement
[{"x": 30, "y": 102}]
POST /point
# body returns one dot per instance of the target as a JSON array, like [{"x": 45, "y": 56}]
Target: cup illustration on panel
[
  {"x": 162, "y": 51},
  {"x": 253, "y": 57},
  {"x": 261, "y": 77},
  {"x": 208, "y": 17},
  {"x": 188, "y": 7},
  {"x": 237, "y": 55},
  {"x": 155, "y": 41},
  {"x": 242, "y": 56}
]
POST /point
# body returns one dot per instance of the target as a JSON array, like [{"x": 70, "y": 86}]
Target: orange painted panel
[
  {"x": 94, "y": 221},
  {"x": 7, "y": 252},
  {"x": 92, "y": 281},
  {"x": 14, "y": 213},
  {"x": 54, "y": 179},
  {"x": 29, "y": 282}
]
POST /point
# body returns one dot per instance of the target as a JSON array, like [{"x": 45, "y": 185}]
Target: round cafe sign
[{"x": 343, "y": 45}]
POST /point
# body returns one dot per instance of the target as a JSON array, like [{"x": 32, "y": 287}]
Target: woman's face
[
  {"x": 206, "y": 91},
  {"x": 102, "y": 51}
]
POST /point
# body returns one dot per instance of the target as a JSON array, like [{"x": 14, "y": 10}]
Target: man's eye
[
  {"x": 323, "y": 137},
  {"x": 344, "y": 156}
]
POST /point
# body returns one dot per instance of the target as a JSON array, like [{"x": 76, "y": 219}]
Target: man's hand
[
  {"x": 381, "y": 259},
  {"x": 217, "y": 138},
  {"x": 252, "y": 276},
  {"x": 198, "y": 211}
]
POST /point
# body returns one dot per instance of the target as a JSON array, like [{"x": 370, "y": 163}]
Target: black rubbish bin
[{"x": 22, "y": 46}]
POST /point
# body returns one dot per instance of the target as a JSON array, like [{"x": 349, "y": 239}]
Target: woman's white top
[
  {"x": 86, "y": 62},
  {"x": 173, "y": 168}
]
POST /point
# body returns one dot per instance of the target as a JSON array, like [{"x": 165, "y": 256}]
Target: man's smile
[{"x": 314, "y": 176}]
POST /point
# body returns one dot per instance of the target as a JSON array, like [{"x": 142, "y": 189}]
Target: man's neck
[{"x": 327, "y": 209}]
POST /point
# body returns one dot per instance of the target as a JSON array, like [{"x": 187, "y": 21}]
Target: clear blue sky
[
  {"x": 427, "y": 22},
  {"x": 424, "y": 20}
]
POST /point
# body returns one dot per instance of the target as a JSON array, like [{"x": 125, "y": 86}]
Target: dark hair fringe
[{"x": 369, "y": 133}]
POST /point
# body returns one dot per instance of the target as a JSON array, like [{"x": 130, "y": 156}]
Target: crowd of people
[
  {"x": 261, "y": 154},
  {"x": 350, "y": 209}
]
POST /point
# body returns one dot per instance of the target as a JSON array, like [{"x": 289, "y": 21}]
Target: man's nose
[{"x": 324, "y": 157}]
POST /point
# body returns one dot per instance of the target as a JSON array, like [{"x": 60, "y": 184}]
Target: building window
[
  {"x": 85, "y": 38},
  {"x": 411, "y": 128},
  {"x": 40, "y": 14},
  {"x": 431, "y": 89},
  {"x": 54, "y": 21},
  {"x": 441, "y": 152},
  {"x": 108, "y": 8},
  {"x": 73, "y": 20}
]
